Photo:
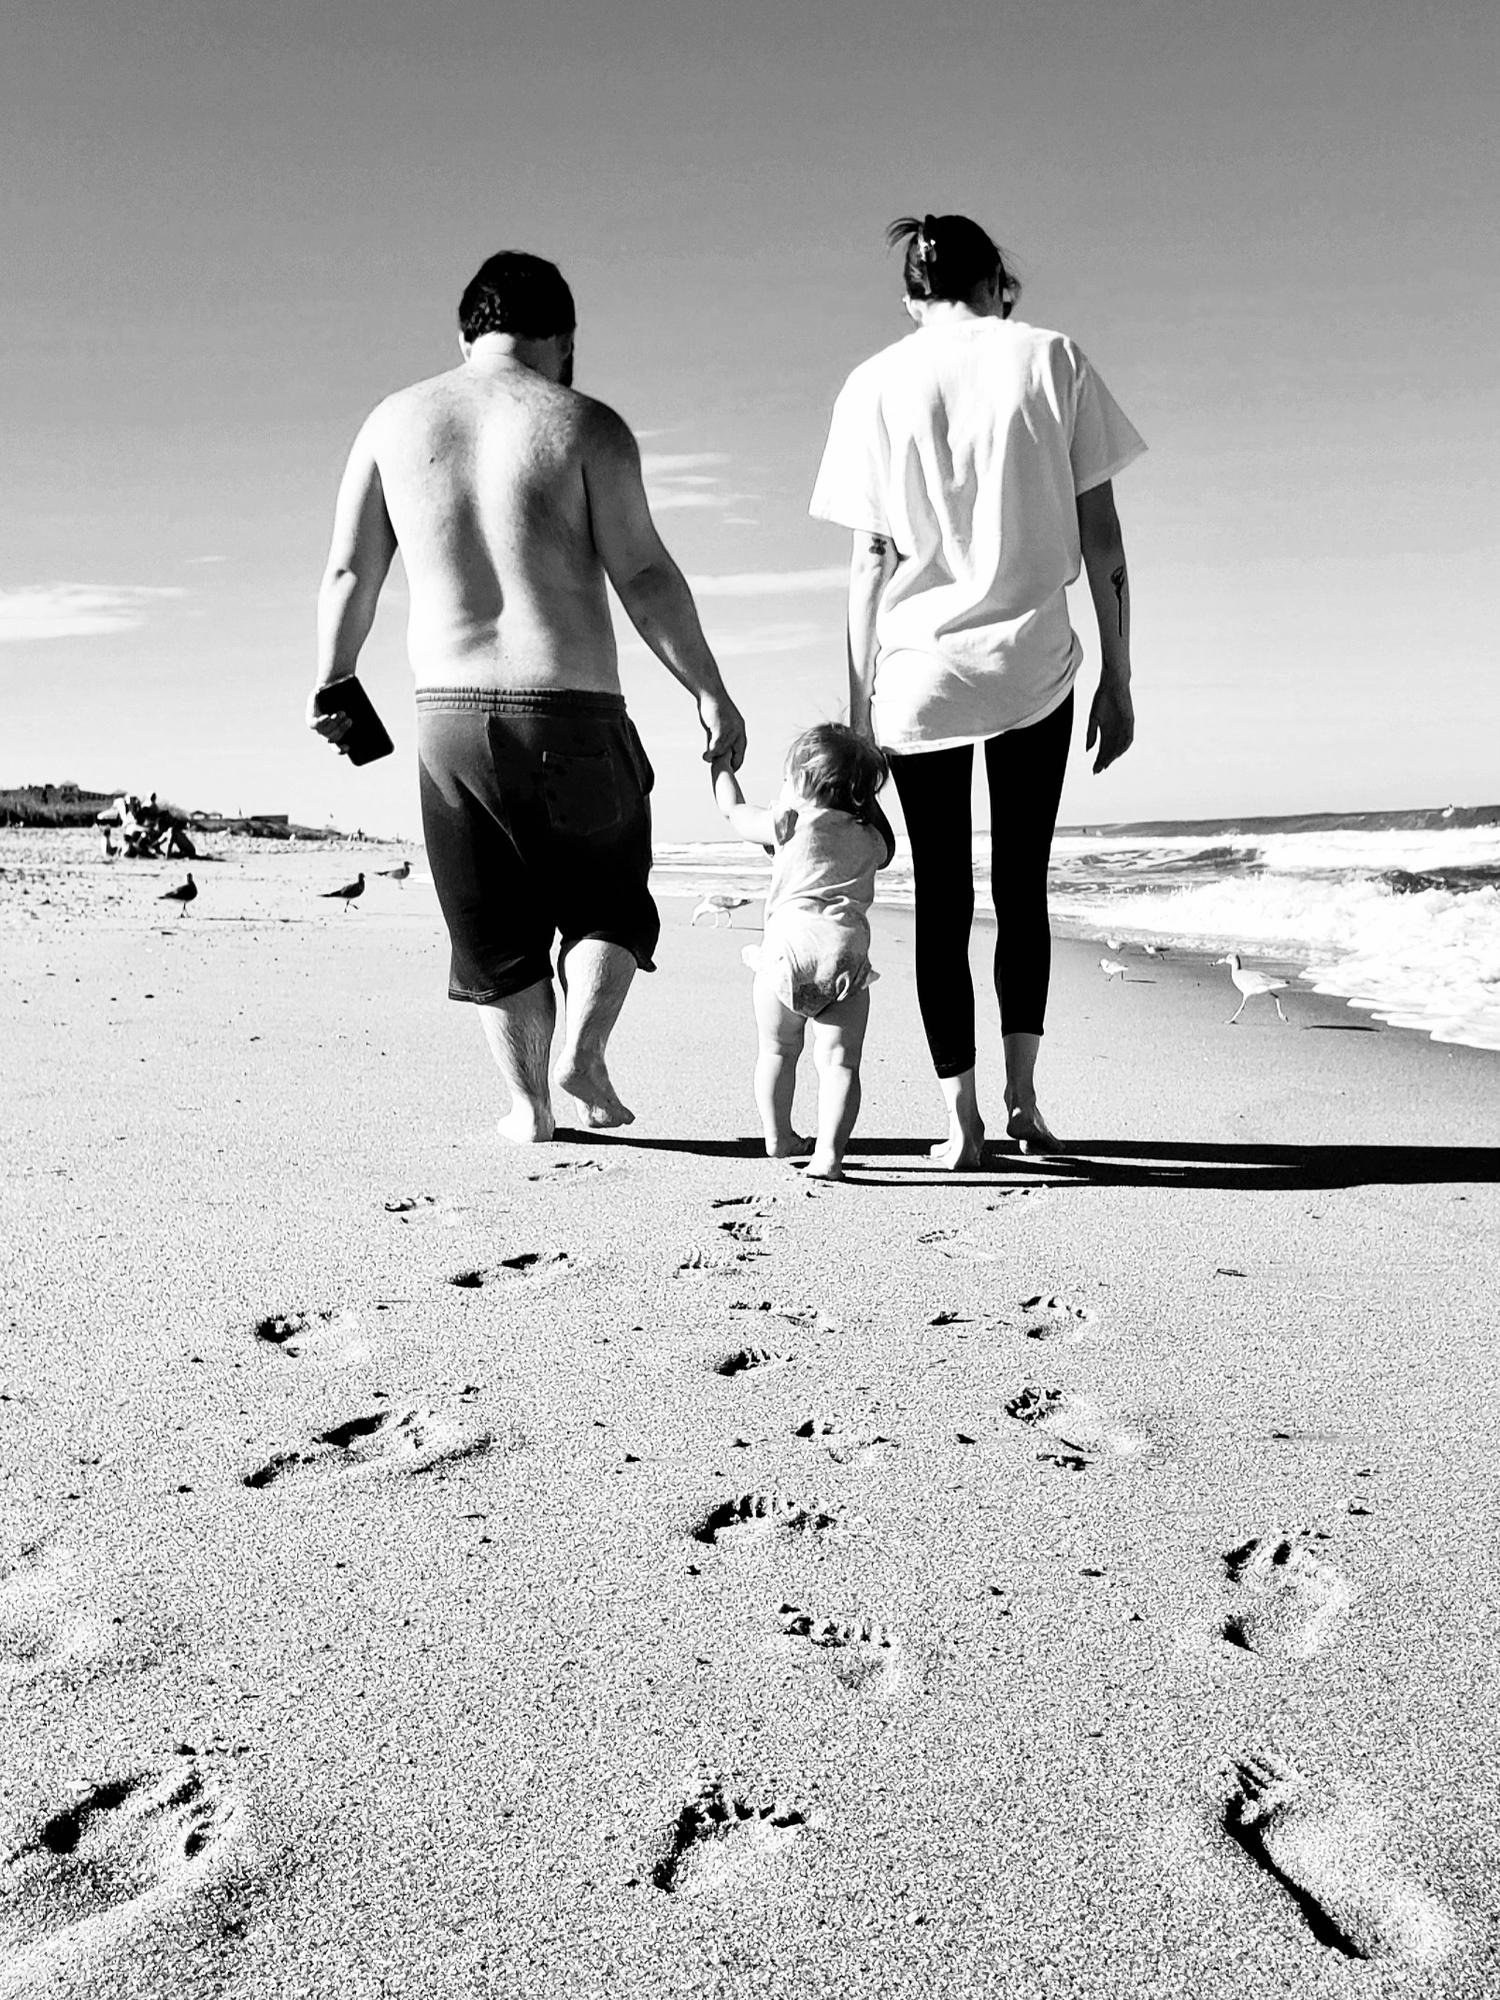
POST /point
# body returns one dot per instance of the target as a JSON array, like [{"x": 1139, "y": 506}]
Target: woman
[{"x": 973, "y": 462}]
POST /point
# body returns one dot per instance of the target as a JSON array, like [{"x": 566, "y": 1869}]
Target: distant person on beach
[
  {"x": 512, "y": 499},
  {"x": 828, "y": 838},
  {"x": 972, "y": 461}
]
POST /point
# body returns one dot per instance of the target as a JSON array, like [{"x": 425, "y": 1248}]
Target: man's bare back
[{"x": 483, "y": 473}]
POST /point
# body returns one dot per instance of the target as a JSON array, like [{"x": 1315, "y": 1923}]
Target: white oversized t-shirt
[{"x": 967, "y": 444}]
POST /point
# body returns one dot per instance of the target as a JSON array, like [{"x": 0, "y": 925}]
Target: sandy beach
[{"x": 436, "y": 1568}]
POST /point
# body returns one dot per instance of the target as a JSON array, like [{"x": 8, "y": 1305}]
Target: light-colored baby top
[{"x": 816, "y": 948}]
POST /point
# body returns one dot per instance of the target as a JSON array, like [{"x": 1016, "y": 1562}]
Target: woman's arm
[
  {"x": 1112, "y": 716},
  {"x": 755, "y": 823},
  {"x": 871, "y": 567}
]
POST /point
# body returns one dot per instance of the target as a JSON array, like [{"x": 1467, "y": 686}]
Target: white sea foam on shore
[{"x": 1401, "y": 920}]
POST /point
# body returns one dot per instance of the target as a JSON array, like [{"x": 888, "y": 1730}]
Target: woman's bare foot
[
  {"x": 589, "y": 1085},
  {"x": 1025, "y": 1123},
  {"x": 962, "y": 1150},
  {"x": 527, "y": 1123},
  {"x": 786, "y": 1146}
]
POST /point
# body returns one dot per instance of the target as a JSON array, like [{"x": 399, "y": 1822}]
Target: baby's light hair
[{"x": 833, "y": 766}]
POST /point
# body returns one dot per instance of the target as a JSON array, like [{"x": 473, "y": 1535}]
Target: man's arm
[
  {"x": 1112, "y": 715},
  {"x": 649, "y": 584},
  {"x": 359, "y": 559},
  {"x": 872, "y": 564}
]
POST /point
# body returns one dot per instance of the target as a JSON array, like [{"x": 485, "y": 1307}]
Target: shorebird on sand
[
  {"x": 1111, "y": 968},
  {"x": 720, "y": 904},
  {"x": 1114, "y": 943},
  {"x": 1154, "y": 950},
  {"x": 1251, "y": 982},
  {"x": 350, "y": 892},
  {"x": 397, "y": 874},
  {"x": 182, "y": 895}
]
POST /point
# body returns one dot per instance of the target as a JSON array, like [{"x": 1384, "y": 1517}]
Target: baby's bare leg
[
  {"x": 838, "y": 1042},
  {"x": 781, "y": 1032}
]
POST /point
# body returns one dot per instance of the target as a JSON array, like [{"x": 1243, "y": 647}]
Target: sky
[{"x": 232, "y": 228}]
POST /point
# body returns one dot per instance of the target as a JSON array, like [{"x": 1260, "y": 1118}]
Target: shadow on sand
[{"x": 1112, "y": 1163}]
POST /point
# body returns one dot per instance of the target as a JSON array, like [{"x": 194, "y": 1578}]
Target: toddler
[{"x": 828, "y": 837}]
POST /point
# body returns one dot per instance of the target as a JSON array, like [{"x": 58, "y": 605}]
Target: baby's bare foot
[
  {"x": 527, "y": 1123},
  {"x": 588, "y": 1083},
  {"x": 824, "y": 1167}
]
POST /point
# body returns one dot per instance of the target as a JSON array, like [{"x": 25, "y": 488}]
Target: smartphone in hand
[{"x": 367, "y": 740}]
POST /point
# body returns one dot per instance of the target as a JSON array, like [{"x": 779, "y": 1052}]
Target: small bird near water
[
  {"x": 350, "y": 892},
  {"x": 185, "y": 893},
  {"x": 1250, "y": 983},
  {"x": 397, "y": 874},
  {"x": 720, "y": 903},
  {"x": 1111, "y": 968}
]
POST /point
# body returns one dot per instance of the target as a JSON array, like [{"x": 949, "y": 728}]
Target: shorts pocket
[{"x": 581, "y": 792}]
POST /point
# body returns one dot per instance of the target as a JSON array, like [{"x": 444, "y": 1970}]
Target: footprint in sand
[
  {"x": 49, "y": 1625},
  {"x": 862, "y": 1654},
  {"x": 398, "y": 1441},
  {"x": 751, "y": 1517},
  {"x": 1081, "y": 1427},
  {"x": 723, "y": 1839},
  {"x": 562, "y": 1167},
  {"x": 436, "y": 1211},
  {"x": 335, "y": 1335},
  {"x": 532, "y": 1265},
  {"x": 1323, "y": 1845},
  {"x": 1049, "y": 1316},
  {"x": 126, "y": 1843},
  {"x": 744, "y": 1359},
  {"x": 1288, "y": 1600}
]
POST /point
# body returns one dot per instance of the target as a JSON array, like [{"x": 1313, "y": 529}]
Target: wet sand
[{"x": 435, "y": 1568}]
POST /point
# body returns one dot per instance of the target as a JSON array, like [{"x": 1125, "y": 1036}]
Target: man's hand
[
  {"x": 1111, "y": 721},
  {"x": 332, "y": 727},
  {"x": 725, "y": 728}
]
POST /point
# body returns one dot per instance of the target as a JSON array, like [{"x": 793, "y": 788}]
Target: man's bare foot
[
  {"x": 962, "y": 1150},
  {"x": 1026, "y": 1124},
  {"x": 1326, "y": 1844},
  {"x": 526, "y": 1123},
  {"x": 790, "y": 1146},
  {"x": 589, "y": 1084},
  {"x": 823, "y": 1167}
]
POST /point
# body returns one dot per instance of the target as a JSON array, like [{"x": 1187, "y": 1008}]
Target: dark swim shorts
[{"x": 536, "y": 808}]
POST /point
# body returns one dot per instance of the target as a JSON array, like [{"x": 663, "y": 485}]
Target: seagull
[
  {"x": 349, "y": 892},
  {"x": 1154, "y": 950},
  {"x": 719, "y": 903},
  {"x": 1251, "y": 982},
  {"x": 1111, "y": 968},
  {"x": 182, "y": 895},
  {"x": 1114, "y": 943},
  {"x": 397, "y": 874}
]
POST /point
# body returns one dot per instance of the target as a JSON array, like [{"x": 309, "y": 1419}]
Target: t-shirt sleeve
[
  {"x": 1104, "y": 439},
  {"x": 850, "y": 486}
]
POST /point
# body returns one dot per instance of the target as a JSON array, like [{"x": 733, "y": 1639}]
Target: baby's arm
[{"x": 749, "y": 822}]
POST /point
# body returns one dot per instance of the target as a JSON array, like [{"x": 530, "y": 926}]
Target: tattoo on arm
[
  {"x": 1117, "y": 578},
  {"x": 879, "y": 545}
]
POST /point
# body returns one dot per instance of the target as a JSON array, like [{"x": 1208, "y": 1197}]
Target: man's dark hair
[
  {"x": 514, "y": 292},
  {"x": 950, "y": 257}
]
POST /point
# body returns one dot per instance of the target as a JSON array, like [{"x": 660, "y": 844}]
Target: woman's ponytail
[{"x": 950, "y": 257}]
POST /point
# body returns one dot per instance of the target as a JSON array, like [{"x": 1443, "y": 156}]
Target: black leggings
[{"x": 1025, "y": 773}]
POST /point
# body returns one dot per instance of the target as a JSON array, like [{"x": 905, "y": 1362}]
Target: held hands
[
  {"x": 1111, "y": 721},
  {"x": 725, "y": 728}
]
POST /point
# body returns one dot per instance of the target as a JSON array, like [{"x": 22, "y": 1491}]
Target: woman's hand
[{"x": 1111, "y": 720}]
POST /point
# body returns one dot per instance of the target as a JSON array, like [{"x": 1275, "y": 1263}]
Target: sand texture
[{"x": 432, "y": 1568}]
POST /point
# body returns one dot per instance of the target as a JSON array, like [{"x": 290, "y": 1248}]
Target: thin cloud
[
  {"x": 770, "y": 582},
  {"x": 76, "y": 610},
  {"x": 679, "y": 479}
]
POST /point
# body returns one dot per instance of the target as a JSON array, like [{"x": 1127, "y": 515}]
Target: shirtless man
[{"x": 512, "y": 498}]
